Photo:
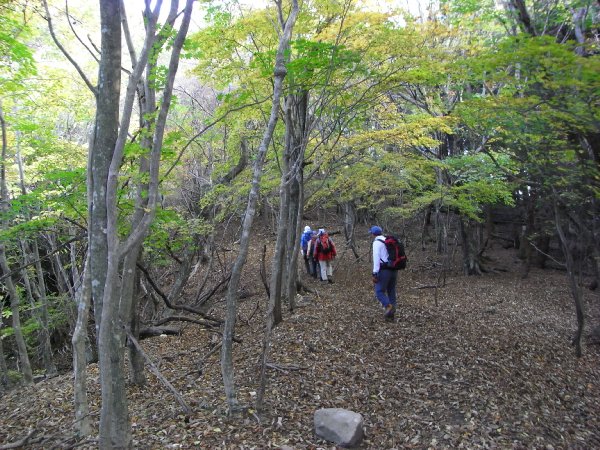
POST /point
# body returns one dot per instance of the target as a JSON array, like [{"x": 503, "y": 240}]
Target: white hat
[
  {"x": 321, "y": 231},
  {"x": 306, "y": 229}
]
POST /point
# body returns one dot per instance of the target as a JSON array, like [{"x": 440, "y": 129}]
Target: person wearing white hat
[{"x": 304, "y": 246}]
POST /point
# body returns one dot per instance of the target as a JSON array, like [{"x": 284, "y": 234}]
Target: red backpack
[
  {"x": 324, "y": 244},
  {"x": 396, "y": 256}
]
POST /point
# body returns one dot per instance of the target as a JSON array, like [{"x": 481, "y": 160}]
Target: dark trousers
[
  {"x": 307, "y": 265},
  {"x": 314, "y": 267},
  {"x": 385, "y": 288}
]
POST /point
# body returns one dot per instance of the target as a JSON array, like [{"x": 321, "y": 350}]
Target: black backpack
[{"x": 397, "y": 257}]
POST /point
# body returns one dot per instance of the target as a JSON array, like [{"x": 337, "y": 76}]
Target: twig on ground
[
  {"x": 284, "y": 367},
  {"x": 21, "y": 442},
  {"x": 186, "y": 409}
]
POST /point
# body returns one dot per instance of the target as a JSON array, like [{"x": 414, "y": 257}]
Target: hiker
[
  {"x": 325, "y": 253},
  {"x": 313, "y": 263},
  {"x": 384, "y": 280},
  {"x": 304, "y": 239}
]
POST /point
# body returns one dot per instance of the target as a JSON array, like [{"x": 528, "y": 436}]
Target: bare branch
[
  {"x": 186, "y": 409},
  {"x": 64, "y": 51}
]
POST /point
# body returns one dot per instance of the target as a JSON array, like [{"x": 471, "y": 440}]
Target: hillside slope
[{"x": 489, "y": 367}]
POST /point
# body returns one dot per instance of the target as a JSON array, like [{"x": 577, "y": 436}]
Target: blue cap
[{"x": 375, "y": 230}]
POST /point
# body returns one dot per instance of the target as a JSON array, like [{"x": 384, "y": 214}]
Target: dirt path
[{"x": 489, "y": 367}]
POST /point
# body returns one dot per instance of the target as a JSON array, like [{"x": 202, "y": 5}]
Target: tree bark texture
[
  {"x": 471, "y": 264},
  {"x": 79, "y": 342},
  {"x": 573, "y": 282}
]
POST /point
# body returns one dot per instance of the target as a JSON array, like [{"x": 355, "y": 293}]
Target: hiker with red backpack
[
  {"x": 313, "y": 263},
  {"x": 388, "y": 258},
  {"x": 325, "y": 253}
]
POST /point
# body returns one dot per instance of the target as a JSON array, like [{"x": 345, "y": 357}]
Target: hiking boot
[
  {"x": 389, "y": 312},
  {"x": 330, "y": 281}
]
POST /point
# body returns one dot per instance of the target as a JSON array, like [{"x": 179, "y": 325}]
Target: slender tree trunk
[
  {"x": 9, "y": 284},
  {"x": 83, "y": 294},
  {"x": 349, "y": 226},
  {"x": 44, "y": 338},
  {"x": 279, "y": 260},
  {"x": 574, "y": 285},
  {"x": 16, "y": 319},
  {"x": 65, "y": 287},
  {"x": 441, "y": 233},
  {"x": 280, "y": 72},
  {"x": 114, "y": 420},
  {"x": 3, "y": 367},
  {"x": 471, "y": 264},
  {"x": 297, "y": 124},
  {"x": 39, "y": 309},
  {"x": 79, "y": 342},
  {"x": 128, "y": 305}
]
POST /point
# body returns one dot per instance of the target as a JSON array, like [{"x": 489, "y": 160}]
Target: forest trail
[{"x": 489, "y": 367}]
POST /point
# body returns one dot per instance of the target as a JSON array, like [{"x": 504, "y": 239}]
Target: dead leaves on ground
[{"x": 490, "y": 367}]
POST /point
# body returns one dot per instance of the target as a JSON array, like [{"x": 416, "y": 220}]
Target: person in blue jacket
[
  {"x": 304, "y": 239},
  {"x": 384, "y": 280}
]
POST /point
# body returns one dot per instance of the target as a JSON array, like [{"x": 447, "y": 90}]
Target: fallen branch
[
  {"x": 186, "y": 409},
  {"x": 208, "y": 326},
  {"x": 284, "y": 367},
  {"x": 426, "y": 286},
  {"x": 202, "y": 300},
  {"x": 21, "y": 442},
  {"x": 168, "y": 302},
  {"x": 158, "y": 331},
  {"x": 247, "y": 321},
  {"x": 184, "y": 319}
]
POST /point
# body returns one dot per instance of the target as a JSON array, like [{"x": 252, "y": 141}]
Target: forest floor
[{"x": 487, "y": 365}]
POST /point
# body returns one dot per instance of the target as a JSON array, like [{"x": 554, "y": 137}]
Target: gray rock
[{"x": 338, "y": 425}]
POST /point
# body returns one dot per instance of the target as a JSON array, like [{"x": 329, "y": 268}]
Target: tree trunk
[
  {"x": 39, "y": 310},
  {"x": 79, "y": 342},
  {"x": 3, "y": 367},
  {"x": 10, "y": 287},
  {"x": 16, "y": 318},
  {"x": 44, "y": 338},
  {"x": 471, "y": 264},
  {"x": 528, "y": 231},
  {"x": 349, "y": 226},
  {"x": 279, "y": 260},
  {"x": 114, "y": 420},
  {"x": 297, "y": 128},
  {"x": 574, "y": 285},
  {"x": 38, "y": 291},
  {"x": 280, "y": 72},
  {"x": 441, "y": 233}
]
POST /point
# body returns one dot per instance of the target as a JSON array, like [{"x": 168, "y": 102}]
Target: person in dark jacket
[{"x": 313, "y": 263}]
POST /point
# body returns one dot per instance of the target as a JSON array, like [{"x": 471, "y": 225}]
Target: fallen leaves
[{"x": 490, "y": 367}]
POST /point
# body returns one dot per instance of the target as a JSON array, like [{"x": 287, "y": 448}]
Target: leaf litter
[{"x": 490, "y": 366}]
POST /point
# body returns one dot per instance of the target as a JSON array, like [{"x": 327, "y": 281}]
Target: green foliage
[
  {"x": 14, "y": 376},
  {"x": 16, "y": 60}
]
